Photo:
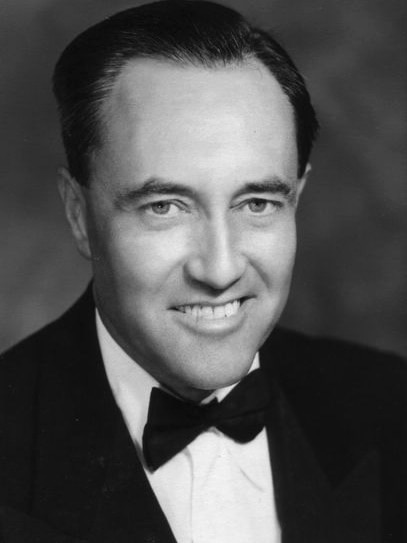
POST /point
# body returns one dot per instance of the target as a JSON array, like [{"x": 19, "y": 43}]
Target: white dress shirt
[{"x": 214, "y": 491}]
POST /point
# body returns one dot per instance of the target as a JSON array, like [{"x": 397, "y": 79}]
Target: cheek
[
  {"x": 272, "y": 252},
  {"x": 285, "y": 249},
  {"x": 142, "y": 261}
]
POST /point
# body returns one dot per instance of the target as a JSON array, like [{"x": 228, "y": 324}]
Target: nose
[{"x": 216, "y": 259}]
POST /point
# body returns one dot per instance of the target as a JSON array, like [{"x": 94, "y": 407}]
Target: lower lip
[{"x": 215, "y": 327}]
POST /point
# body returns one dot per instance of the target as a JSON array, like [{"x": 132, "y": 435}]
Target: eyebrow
[
  {"x": 157, "y": 186},
  {"x": 273, "y": 185},
  {"x": 153, "y": 186}
]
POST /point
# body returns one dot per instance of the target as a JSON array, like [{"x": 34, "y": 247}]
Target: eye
[
  {"x": 259, "y": 205},
  {"x": 163, "y": 207}
]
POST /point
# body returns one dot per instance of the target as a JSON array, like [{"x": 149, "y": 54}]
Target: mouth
[{"x": 211, "y": 312}]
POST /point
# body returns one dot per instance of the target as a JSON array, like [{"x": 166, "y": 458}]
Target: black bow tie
[{"x": 172, "y": 423}]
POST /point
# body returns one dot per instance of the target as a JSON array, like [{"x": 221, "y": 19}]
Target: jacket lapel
[
  {"x": 311, "y": 507},
  {"x": 88, "y": 480},
  {"x": 128, "y": 509},
  {"x": 301, "y": 487},
  {"x": 318, "y": 500}
]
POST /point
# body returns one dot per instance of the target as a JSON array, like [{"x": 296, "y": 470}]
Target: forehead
[{"x": 166, "y": 110}]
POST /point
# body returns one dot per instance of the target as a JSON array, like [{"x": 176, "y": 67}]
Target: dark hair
[{"x": 183, "y": 31}]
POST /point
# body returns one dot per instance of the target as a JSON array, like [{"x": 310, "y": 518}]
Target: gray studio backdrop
[{"x": 351, "y": 274}]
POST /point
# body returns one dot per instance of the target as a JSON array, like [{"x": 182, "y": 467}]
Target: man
[{"x": 166, "y": 405}]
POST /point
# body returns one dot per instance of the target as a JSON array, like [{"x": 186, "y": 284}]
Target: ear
[
  {"x": 73, "y": 198},
  {"x": 301, "y": 183}
]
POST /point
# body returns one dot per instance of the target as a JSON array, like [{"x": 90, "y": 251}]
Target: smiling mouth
[{"x": 211, "y": 312}]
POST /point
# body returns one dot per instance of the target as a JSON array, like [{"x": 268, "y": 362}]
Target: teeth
[
  {"x": 219, "y": 312},
  {"x": 209, "y": 312},
  {"x": 206, "y": 312}
]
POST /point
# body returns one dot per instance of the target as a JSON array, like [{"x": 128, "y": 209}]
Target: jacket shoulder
[
  {"x": 333, "y": 359},
  {"x": 25, "y": 370},
  {"x": 365, "y": 386},
  {"x": 49, "y": 341},
  {"x": 40, "y": 354}
]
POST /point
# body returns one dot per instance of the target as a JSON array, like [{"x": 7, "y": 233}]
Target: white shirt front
[{"x": 214, "y": 491}]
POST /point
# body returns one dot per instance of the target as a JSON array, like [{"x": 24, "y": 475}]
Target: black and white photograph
[{"x": 203, "y": 279}]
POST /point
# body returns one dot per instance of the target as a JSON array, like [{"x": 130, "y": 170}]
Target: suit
[{"x": 69, "y": 471}]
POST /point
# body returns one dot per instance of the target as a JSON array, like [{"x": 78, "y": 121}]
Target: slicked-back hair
[{"x": 188, "y": 32}]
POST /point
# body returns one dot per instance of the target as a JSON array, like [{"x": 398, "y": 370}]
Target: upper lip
[{"x": 211, "y": 303}]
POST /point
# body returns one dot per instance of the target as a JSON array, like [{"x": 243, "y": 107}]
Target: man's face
[{"x": 190, "y": 218}]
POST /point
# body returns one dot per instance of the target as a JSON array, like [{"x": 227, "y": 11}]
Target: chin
[{"x": 218, "y": 377}]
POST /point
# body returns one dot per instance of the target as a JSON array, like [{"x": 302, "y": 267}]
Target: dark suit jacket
[{"x": 69, "y": 471}]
